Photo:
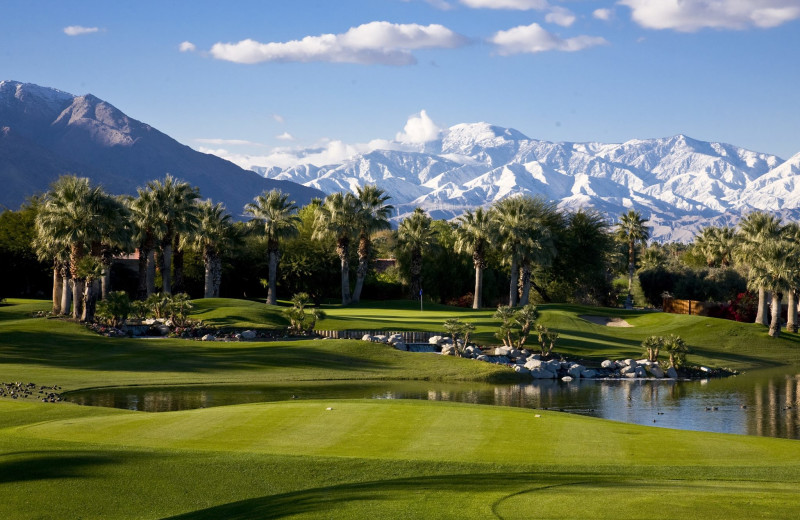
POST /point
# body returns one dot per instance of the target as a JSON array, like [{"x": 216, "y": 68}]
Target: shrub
[
  {"x": 515, "y": 326},
  {"x": 115, "y": 309},
  {"x": 300, "y": 321},
  {"x": 677, "y": 350}
]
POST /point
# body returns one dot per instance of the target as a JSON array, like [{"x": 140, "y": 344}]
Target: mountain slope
[
  {"x": 45, "y": 133},
  {"x": 678, "y": 182}
]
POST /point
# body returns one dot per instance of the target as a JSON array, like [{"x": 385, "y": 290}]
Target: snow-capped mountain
[
  {"x": 679, "y": 183},
  {"x": 45, "y": 133}
]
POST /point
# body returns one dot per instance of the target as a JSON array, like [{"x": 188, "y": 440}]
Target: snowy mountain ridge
[{"x": 679, "y": 183}]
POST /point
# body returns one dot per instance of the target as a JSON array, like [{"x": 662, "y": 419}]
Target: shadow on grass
[
  {"x": 68, "y": 351},
  {"x": 319, "y": 500},
  {"x": 36, "y": 465}
]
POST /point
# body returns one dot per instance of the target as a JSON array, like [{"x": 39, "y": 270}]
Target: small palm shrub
[
  {"x": 302, "y": 321},
  {"x": 515, "y": 326},
  {"x": 115, "y": 309}
]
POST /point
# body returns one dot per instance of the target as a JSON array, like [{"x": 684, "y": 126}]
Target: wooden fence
[
  {"x": 408, "y": 336},
  {"x": 694, "y": 307}
]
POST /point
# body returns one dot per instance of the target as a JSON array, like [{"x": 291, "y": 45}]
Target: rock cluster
[{"x": 19, "y": 390}]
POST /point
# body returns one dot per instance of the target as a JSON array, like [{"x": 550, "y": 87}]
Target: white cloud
[
  {"x": 522, "y": 5},
  {"x": 693, "y": 15},
  {"x": 533, "y": 38},
  {"x": 286, "y": 136},
  {"x": 279, "y": 118},
  {"x": 228, "y": 142},
  {"x": 372, "y": 43},
  {"x": 603, "y": 14},
  {"x": 560, "y": 16},
  {"x": 77, "y": 30},
  {"x": 187, "y": 47},
  {"x": 419, "y": 128}
]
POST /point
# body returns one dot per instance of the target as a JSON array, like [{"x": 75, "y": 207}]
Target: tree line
[{"x": 527, "y": 244}]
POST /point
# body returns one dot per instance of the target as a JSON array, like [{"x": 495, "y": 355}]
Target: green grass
[
  {"x": 368, "y": 459},
  {"x": 380, "y": 460}
]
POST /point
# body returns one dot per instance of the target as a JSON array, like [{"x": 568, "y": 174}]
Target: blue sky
[{"x": 246, "y": 78}]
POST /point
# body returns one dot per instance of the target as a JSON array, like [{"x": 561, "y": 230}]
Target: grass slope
[{"x": 367, "y": 459}]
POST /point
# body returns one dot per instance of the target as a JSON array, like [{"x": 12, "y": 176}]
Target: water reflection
[{"x": 766, "y": 404}]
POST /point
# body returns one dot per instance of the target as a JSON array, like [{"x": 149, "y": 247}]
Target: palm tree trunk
[
  {"x": 477, "y": 299},
  {"x": 272, "y": 291},
  {"x": 166, "y": 267},
  {"x": 631, "y": 265},
  {"x": 178, "y": 283},
  {"x": 208, "y": 286},
  {"x": 66, "y": 295},
  {"x": 763, "y": 308},
  {"x": 513, "y": 293},
  {"x": 775, "y": 323},
  {"x": 343, "y": 250},
  {"x": 151, "y": 272},
  {"x": 216, "y": 275},
  {"x": 105, "y": 282},
  {"x": 363, "y": 267},
  {"x": 78, "y": 285},
  {"x": 416, "y": 274},
  {"x": 90, "y": 292},
  {"x": 525, "y": 283},
  {"x": 58, "y": 287},
  {"x": 791, "y": 314}
]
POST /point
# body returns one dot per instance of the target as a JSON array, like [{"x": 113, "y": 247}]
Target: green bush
[{"x": 115, "y": 309}]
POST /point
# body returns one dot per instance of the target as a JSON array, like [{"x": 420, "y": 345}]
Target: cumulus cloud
[
  {"x": 603, "y": 14},
  {"x": 187, "y": 47},
  {"x": 372, "y": 43},
  {"x": 533, "y": 38},
  {"x": 560, "y": 16},
  {"x": 286, "y": 136},
  {"x": 522, "y": 5},
  {"x": 693, "y": 15},
  {"x": 419, "y": 128},
  {"x": 77, "y": 30}
]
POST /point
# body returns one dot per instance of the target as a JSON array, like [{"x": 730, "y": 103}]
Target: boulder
[
  {"x": 625, "y": 370},
  {"x": 554, "y": 365},
  {"x": 656, "y": 371},
  {"x": 380, "y": 338},
  {"x": 400, "y": 345},
  {"x": 209, "y": 337},
  {"x": 630, "y": 375},
  {"x": 249, "y": 334},
  {"x": 521, "y": 370},
  {"x": 366, "y": 337},
  {"x": 575, "y": 370},
  {"x": 162, "y": 329},
  {"x": 672, "y": 373},
  {"x": 629, "y": 362},
  {"x": 610, "y": 365},
  {"x": 514, "y": 353},
  {"x": 542, "y": 373},
  {"x": 640, "y": 372},
  {"x": 482, "y": 357},
  {"x": 567, "y": 378},
  {"x": 448, "y": 350},
  {"x": 501, "y": 351},
  {"x": 395, "y": 338},
  {"x": 434, "y": 340},
  {"x": 589, "y": 373},
  {"x": 533, "y": 363}
]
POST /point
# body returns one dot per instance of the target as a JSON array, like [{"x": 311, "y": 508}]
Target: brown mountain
[{"x": 45, "y": 133}]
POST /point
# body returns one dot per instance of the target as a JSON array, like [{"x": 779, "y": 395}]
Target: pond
[{"x": 765, "y": 403}]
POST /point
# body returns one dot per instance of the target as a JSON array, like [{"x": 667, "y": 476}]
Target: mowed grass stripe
[{"x": 417, "y": 430}]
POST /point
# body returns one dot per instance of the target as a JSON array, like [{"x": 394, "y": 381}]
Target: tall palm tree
[
  {"x": 415, "y": 235},
  {"x": 542, "y": 222},
  {"x": 475, "y": 235},
  {"x": 176, "y": 200},
  {"x": 337, "y": 217},
  {"x": 148, "y": 227},
  {"x": 631, "y": 229},
  {"x": 776, "y": 271},
  {"x": 756, "y": 230},
  {"x": 117, "y": 231},
  {"x": 278, "y": 215},
  {"x": 716, "y": 244},
  {"x": 214, "y": 235},
  {"x": 49, "y": 249},
  {"x": 510, "y": 221},
  {"x": 69, "y": 216},
  {"x": 373, "y": 215}
]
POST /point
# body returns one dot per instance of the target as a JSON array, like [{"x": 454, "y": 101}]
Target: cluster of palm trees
[
  {"x": 80, "y": 228},
  {"x": 770, "y": 252}
]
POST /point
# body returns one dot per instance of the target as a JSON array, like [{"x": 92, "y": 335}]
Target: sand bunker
[{"x": 605, "y": 320}]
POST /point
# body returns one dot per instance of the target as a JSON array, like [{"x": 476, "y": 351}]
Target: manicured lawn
[{"x": 368, "y": 459}]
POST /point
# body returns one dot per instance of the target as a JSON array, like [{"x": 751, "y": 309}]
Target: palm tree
[
  {"x": 117, "y": 231},
  {"x": 337, "y": 216},
  {"x": 791, "y": 233},
  {"x": 631, "y": 230},
  {"x": 278, "y": 215},
  {"x": 475, "y": 235},
  {"x": 776, "y": 271},
  {"x": 48, "y": 248},
  {"x": 176, "y": 200},
  {"x": 215, "y": 234},
  {"x": 69, "y": 216},
  {"x": 755, "y": 231},
  {"x": 716, "y": 244},
  {"x": 542, "y": 222},
  {"x": 373, "y": 215},
  {"x": 415, "y": 234},
  {"x": 148, "y": 227},
  {"x": 509, "y": 218}
]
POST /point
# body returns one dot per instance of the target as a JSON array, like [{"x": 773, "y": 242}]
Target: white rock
[
  {"x": 366, "y": 337},
  {"x": 609, "y": 364},
  {"x": 567, "y": 378},
  {"x": 209, "y": 337},
  {"x": 521, "y": 370},
  {"x": 249, "y": 334},
  {"x": 533, "y": 363},
  {"x": 434, "y": 340},
  {"x": 575, "y": 370},
  {"x": 542, "y": 373}
]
